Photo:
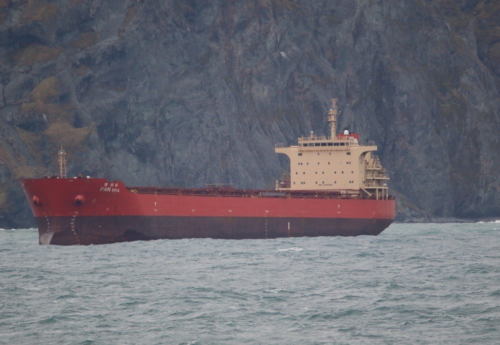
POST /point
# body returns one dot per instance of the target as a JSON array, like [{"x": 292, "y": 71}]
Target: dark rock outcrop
[{"x": 188, "y": 92}]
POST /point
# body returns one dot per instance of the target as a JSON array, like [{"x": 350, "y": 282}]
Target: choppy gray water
[{"x": 413, "y": 284}]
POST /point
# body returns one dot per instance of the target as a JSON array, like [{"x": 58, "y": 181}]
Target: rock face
[{"x": 188, "y": 92}]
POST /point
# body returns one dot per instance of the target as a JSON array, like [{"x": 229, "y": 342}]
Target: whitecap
[
  {"x": 293, "y": 249},
  {"x": 492, "y": 222}
]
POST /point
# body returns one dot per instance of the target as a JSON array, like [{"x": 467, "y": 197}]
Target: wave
[
  {"x": 31, "y": 229},
  {"x": 293, "y": 249}
]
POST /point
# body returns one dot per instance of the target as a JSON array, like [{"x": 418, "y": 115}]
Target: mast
[
  {"x": 63, "y": 172},
  {"x": 332, "y": 118}
]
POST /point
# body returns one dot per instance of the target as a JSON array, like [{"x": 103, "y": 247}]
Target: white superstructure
[{"x": 335, "y": 163}]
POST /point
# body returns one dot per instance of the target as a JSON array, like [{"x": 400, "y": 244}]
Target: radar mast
[
  {"x": 332, "y": 118},
  {"x": 63, "y": 172}
]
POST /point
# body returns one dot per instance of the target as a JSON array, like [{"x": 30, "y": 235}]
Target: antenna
[
  {"x": 63, "y": 172},
  {"x": 351, "y": 116}
]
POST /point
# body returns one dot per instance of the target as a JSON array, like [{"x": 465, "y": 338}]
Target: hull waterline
[{"x": 113, "y": 229}]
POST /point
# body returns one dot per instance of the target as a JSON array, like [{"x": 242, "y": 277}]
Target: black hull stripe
[{"x": 101, "y": 230}]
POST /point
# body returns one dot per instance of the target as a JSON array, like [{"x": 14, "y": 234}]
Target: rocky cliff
[{"x": 188, "y": 92}]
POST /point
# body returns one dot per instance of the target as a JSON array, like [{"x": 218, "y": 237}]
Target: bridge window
[
  {"x": 330, "y": 144},
  {"x": 316, "y": 144},
  {"x": 348, "y": 153},
  {"x": 300, "y": 154}
]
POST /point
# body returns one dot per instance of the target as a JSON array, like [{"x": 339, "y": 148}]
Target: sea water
[{"x": 413, "y": 284}]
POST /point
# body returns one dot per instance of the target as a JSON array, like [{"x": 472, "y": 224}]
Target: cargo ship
[{"x": 335, "y": 187}]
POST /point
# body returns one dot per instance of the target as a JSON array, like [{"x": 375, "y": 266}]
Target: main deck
[{"x": 252, "y": 193}]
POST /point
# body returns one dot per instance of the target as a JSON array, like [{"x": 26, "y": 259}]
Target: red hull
[{"x": 95, "y": 211}]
